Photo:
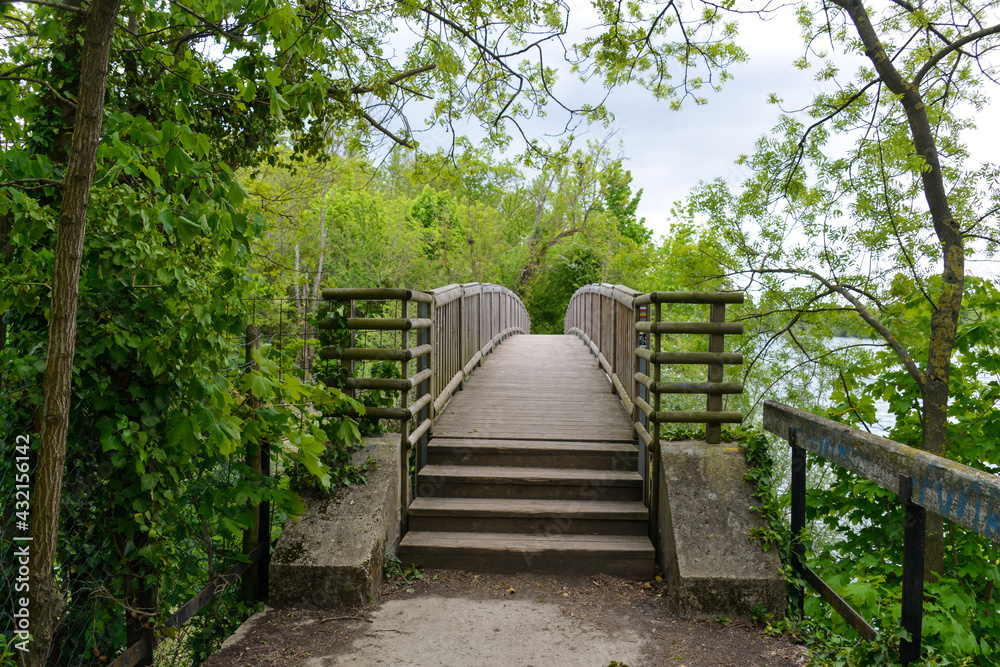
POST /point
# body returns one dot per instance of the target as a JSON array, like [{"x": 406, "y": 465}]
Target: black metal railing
[{"x": 923, "y": 481}]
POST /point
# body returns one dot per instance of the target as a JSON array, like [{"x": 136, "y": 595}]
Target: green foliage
[
  {"x": 216, "y": 623},
  {"x": 402, "y": 575},
  {"x": 855, "y": 536},
  {"x": 551, "y": 288},
  {"x": 866, "y": 556}
]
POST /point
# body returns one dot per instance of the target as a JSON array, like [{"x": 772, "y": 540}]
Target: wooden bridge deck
[
  {"x": 537, "y": 388},
  {"x": 532, "y": 467}
]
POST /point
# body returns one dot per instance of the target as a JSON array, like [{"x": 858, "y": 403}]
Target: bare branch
[{"x": 378, "y": 126}]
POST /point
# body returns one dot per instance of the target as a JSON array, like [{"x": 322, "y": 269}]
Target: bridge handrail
[
  {"x": 469, "y": 321},
  {"x": 455, "y": 326},
  {"x": 923, "y": 481},
  {"x": 614, "y": 321},
  {"x": 617, "y": 324}
]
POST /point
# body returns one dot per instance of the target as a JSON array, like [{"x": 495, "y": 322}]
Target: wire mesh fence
[{"x": 87, "y": 568}]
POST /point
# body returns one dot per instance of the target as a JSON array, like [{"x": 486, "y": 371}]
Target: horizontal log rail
[
  {"x": 923, "y": 481},
  {"x": 624, "y": 329},
  {"x": 696, "y": 358},
  {"x": 724, "y": 328},
  {"x": 388, "y": 323},
  {"x": 456, "y": 326}
]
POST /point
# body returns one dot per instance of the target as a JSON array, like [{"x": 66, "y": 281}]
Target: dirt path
[{"x": 458, "y": 619}]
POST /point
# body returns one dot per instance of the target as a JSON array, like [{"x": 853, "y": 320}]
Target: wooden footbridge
[
  {"x": 542, "y": 453},
  {"x": 534, "y": 454}
]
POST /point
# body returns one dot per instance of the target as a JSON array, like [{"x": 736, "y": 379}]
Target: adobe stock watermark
[{"x": 22, "y": 542}]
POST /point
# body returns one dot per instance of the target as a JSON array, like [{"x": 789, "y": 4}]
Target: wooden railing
[
  {"x": 624, "y": 329},
  {"x": 924, "y": 481},
  {"x": 454, "y": 327}
]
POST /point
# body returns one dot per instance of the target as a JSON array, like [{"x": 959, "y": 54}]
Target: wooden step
[
  {"x": 623, "y": 555},
  {"x": 530, "y": 516},
  {"x": 533, "y": 453},
  {"x": 454, "y": 481}
]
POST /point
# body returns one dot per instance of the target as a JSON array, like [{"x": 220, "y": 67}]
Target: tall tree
[
  {"x": 47, "y": 600},
  {"x": 820, "y": 222}
]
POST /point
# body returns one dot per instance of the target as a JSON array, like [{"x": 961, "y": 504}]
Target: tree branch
[
  {"x": 57, "y": 5},
  {"x": 865, "y": 314},
  {"x": 359, "y": 90},
  {"x": 378, "y": 126},
  {"x": 218, "y": 28},
  {"x": 43, "y": 182},
  {"x": 43, "y": 83},
  {"x": 951, "y": 48}
]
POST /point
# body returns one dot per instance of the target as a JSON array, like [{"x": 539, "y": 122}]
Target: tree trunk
[
  {"x": 307, "y": 351},
  {"x": 47, "y": 603},
  {"x": 944, "y": 320}
]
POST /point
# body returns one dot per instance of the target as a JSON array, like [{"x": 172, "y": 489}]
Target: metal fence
[{"x": 923, "y": 481}]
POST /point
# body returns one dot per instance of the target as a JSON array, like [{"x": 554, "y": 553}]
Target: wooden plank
[
  {"x": 215, "y": 588},
  {"x": 689, "y": 297},
  {"x": 382, "y": 323},
  {"x": 711, "y": 328},
  {"x": 392, "y": 384},
  {"x": 689, "y": 387},
  {"x": 520, "y": 475},
  {"x": 537, "y": 387},
  {"x": 697, "y": 416},
  {"x": 690, "y": 357},
  {"x": 418, "y": 432},
  {"x": 577, "y": 509},
  {"x": 548, "y": 445},
  {"x": 373, "y": 294},
  {"x": 374, "y": 354},
  {"x": 132, "y": 656},
  {"x": 485, "y": 543},
  {"x": 959, "y": 493}
]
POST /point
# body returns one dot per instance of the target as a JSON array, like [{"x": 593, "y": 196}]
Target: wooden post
[
  {"x": 463, "y": 346},
  {"x": 434, "y": 357},
  {"x": 614, "y": 338},
  {"x": 138, "y": 629},
  {"x": 252, "y": 534},
  {"x": 638, "y": 416},
  {"x": 654, "y": 430},
  {"x": 353, "y": 340},
  {"x": 716, "y": 344},
  {"x": 264, "y": 530},
  {"x": 423, "y": 338},
  {"x": 404, "y": 432}
]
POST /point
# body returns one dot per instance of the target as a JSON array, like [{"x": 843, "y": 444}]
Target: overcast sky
[{"x": 669, "y": 152}]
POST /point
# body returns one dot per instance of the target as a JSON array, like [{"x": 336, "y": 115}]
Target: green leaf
[{"x": 178, "y": 160}]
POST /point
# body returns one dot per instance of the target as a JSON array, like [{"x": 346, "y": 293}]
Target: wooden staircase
[{"x": 532, "y": 469}]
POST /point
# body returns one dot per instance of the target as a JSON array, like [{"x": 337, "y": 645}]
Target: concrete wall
[
  {"x": 334, "y": 553},
  {"x": 704, "y": 516}
]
